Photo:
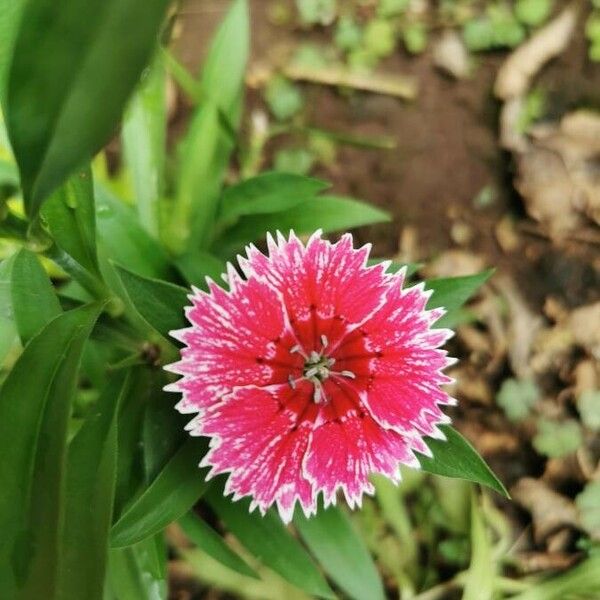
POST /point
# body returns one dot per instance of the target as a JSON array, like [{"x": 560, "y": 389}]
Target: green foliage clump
[
  {"x": 555, "y": 439},
  {"x": 517, "y": 398},
  {"x": 533, "y": 12},
  {"x": 592, "y": 32},
  {"x": 283, "y": 97}
]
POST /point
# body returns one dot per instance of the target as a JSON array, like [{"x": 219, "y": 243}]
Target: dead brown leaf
[{"x": 549, "y": 510}]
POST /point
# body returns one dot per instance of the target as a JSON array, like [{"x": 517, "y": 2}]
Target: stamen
[
  {"x": 318, "y": 396},
  {"x": 348, "y": 374},
  {"x": 298, "y": 348},
  {"x": 292, "y": 382},
  {"x": 311, "y": 372},
  {"x": 314, "y": 357},
  {"x": 324, "y": 341}
]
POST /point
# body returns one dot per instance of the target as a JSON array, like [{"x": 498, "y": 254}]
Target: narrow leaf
[
  {"x": 205, "y": 155},
  {"x": 144, "y": 139},
  {"x": 10, "y": 15},
  {"x": 34, "y": 409},
  {"x": 211, "y": 137},
  {"x": 138, "y": 572},
  {"x": 69, "y": 216},
  {"x": 34, "y": 301},
  {"x": 66, "y": 60},
  {"x": 455, "y": 457},
  {"x": 208, "y": 540},
  {"x": 125, "y": 241},
  {"x": 196, "y": 265},
  {"x": 163, "y": 428},
  {"x": 131, "y": 476},
  {"x": 268, "y": 540},
  {"x": 267, "y": 193},
  {"x": 329, "y": 213},
  {"x": 479, "y": 580},
  {"x": 222, "y": 77},
  {"x": 159, "y": 302},
  {"x": 8, "y": 328},
  {"x": 341, "y": 551},
  {"x": 452, "y": 292},
  {"x": 9, "y": 174},
  {"x": 90, "y": 487},
  {"x": 174, "y": 491}
]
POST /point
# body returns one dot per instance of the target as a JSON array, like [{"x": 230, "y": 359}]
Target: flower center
[{"x": 318, "y": 368}]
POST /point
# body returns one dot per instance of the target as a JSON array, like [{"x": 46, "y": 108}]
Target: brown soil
[{"x": 447, "y": 152}]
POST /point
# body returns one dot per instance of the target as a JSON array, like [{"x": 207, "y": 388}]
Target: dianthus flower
[{"x": 312, "y": 372}]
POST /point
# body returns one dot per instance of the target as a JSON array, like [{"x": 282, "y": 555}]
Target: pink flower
[{"x": 311, "y": 373}]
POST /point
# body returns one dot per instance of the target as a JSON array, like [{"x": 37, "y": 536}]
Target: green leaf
[
  {"x": 144, "y": 139},
  {"x": 331, "y": 537},
  {"x": 8, "y": 328},
  {"x": 10, "y": 15},
  {"x": 379, "y": 38},
  {"x": 329, "y": 213},
  {"x": 452, "y": 292},
  {"x": 9, "y": 174},
  {"x": 533, "y": 12},
  {"x": 348, "y": 33},
  {"x": 68, "y": 60},
  {"x": 131, "y": 475},
  {"x": 222, "y": 78},
  {"x": 34, "y": 302},
  {"x": 283, "y": 97},
  {"x": 204, "y": 158},
  {"x": 271, "y": 543},
  {"x": 69, "y": 216},
  {"x": 208, "y": 540},
  {"x": 455, "y": 457},
  {"x": 160, "y": 303},
  {"x": 35, "y": 402},
  {"x": 478, "y": 34},
  {"x": 90, "y": 487},
  {"x": 392, "y": 8},
  {"x": 174, "y": 491},
  {"x": 125, "y": 241},
  {"x": 196, "y": 265},
  {"x": 298, "y": 161},
  {"x": 317, "y": 12},
  {"x": 163, "y": 428},
  {"x": 415, "y": 38},
  {"x": 211, "y": 136},
  {"x": 267, "y": 193},
  {"x": 517, "y": 397},
  {"x": 588, "y": 504},
  {"x": 556, "y": 439},
  {"x": 588, "y": 405},
  {"x": 139, "y": 572},
  {"x": 479, "y": 583}
]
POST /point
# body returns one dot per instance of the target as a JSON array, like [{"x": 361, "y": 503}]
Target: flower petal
[
  {"x": 260, "y": 436},
  {"x": 342, "y": 454},
  {"x": 237, "y": 338},
  {"x": 398, "y": 364},
  {"x": 326, "y": 287}
]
